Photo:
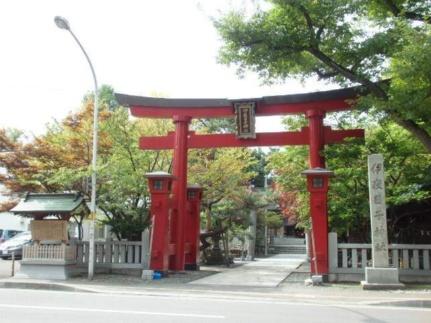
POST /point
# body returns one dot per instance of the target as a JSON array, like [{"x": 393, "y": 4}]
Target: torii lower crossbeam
[{"x": 262, "y": 139}]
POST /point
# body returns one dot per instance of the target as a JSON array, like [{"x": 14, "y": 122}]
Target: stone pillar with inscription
[{"x": 380, "y": 275}]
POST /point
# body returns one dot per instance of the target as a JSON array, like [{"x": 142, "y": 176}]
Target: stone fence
[
  {"x": 347, "y": 261},
  {"x": 54, "y": 254},
  {"x": 113, "y": 254},
  {"x": 55, "y": 260}
]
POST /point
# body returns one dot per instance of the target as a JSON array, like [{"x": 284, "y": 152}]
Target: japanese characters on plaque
[
  {"x": 245, "y": 119},
  {"x": 379, "y": 235}
]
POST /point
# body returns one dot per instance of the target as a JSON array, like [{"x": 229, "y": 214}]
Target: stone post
[
  {"x": 333, "y": 250},
  {"x": 145, "y": 249},
  {"x": 380, "y": 275},
  {"x": 307, "y": 244},
  {"x": 108, "y": 250}
]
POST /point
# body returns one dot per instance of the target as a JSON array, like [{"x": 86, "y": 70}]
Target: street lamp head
[{"x": 61, "y": 23}]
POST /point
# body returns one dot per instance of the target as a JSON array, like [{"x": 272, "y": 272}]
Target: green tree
[
  {"x": 406, "y": 167},
  {"x": 60, "y": 160},
  {"x": 221, "y": 173},
  {"x": 259, "y": 180},
  {"x": 286, "y": 166},
  {"x": 406, "y": 164},
  {"x": 123, "y": 193},
  {"x": 342, "y": 41},
  {"x": 243, "y": 215}
]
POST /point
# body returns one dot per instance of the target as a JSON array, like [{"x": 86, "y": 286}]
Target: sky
[{"x": 137, "y": 47}]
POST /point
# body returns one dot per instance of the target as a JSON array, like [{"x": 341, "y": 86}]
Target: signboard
[
  {"x": 245, "y": 120},
  {"x": 379, "y": 235},
  {"x": 49, "y": 230}
]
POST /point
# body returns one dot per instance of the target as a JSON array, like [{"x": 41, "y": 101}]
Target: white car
[
  {"x": 6, "y": 234},
  {"x": 14, "y": 245}
]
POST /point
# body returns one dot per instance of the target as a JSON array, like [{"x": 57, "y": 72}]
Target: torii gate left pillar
[{"x": 179, "y": 190}]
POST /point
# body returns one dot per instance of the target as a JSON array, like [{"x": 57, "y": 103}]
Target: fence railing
[
  {"x": 49, "y": 254},
  {"x": 108, "y": 253},
  {"x": 352, "y": 258},
  {"x": 116, "y": 254},
  {"x": 113, "y": 254}
]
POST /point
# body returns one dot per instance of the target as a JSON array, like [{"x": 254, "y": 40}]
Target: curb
[
  {"x": 49, "y": 286},
  {"x": 44, "y": 286},
  {"x": 271, "y": 295}
]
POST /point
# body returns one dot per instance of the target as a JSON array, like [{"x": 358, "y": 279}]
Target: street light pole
[{"x": 62, "y": 23}]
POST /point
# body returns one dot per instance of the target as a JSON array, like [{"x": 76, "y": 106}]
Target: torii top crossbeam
[{"x": 328, "y": 101}]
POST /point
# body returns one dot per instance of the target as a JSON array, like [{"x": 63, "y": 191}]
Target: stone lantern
[
  {"x": 318, "y": 185},
  {"x": 160, "y": 185}
]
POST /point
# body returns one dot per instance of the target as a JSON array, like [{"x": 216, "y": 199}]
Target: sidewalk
[
  {"x": 275, "y": 279},
  {"x": 263, "y": 272}
]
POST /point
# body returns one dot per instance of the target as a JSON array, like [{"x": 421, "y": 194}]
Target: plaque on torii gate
[{"x": 313, "y": 105}]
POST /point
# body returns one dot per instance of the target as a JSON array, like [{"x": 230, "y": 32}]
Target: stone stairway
[
  {"x": 288, "y": 246},
  {"x": 289, "y": 249}
]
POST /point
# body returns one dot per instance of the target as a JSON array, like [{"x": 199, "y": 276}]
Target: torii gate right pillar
[{"x": 317, "y": 183}]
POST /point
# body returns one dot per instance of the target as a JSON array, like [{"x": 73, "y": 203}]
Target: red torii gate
[{"x": 313, "y": 105}]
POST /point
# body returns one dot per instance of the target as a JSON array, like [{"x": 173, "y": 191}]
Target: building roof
[{"x": 51, "y": 203}]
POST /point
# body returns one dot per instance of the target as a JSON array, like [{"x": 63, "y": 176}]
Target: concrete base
[
  {"x": 367, "y": 286},
  {"x": 57, "y": 272},
  {"x": 346, "y": 278},
  {"x": 381, "y": 278},
  {"x": 315, "y": 280},
  {"x": 147, "y": 274}
]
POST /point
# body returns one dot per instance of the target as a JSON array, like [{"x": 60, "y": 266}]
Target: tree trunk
[
  {"x": 416, "y": 131},
  {"x": 209, "y": 221},
  {"x": 422, "y": 135},
  {"x": 266, "y": 240},
  {"x": 252, "y": 235},
  {"x": 226, "y": 248}
]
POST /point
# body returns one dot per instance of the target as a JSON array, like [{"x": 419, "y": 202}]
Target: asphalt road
[{"x": 53, "y": 306}]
